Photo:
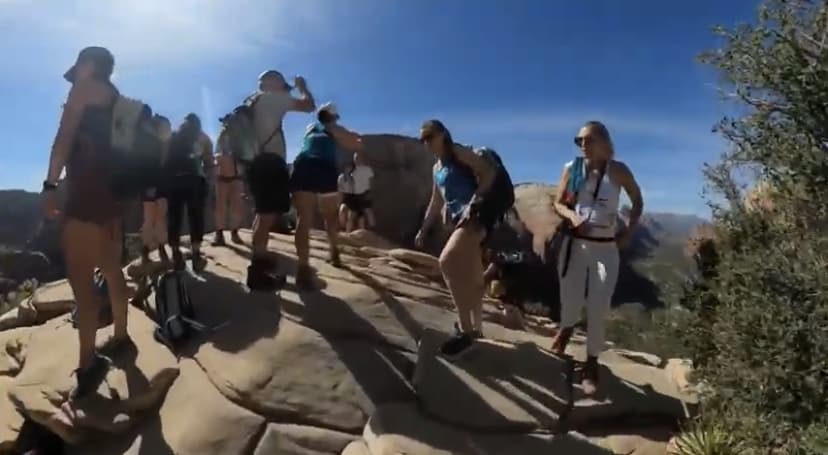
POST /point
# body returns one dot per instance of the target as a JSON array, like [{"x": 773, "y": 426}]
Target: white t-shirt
[
  {"x": 358, "y": 182},
  {"x": 269, "y": 111}
]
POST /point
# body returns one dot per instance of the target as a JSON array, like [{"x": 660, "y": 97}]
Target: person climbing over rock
[
  {"x": 314, "y": 180},
  {"x": 268, "y": 175},
  {"x": 188, "y": 162},
  {"x": 229, "y": 192},
  {"x": 154, "y": 227},
  {"x": 461, "y": 179},
  {"x": 587, "y": 199},
  {"x": 91, "y": 234},
  {"x": 355, "y": 186}
]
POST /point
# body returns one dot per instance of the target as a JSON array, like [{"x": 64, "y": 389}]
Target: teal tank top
[
  {"x": 319, "y": 145},
  {"x": 457, "y": 184}
]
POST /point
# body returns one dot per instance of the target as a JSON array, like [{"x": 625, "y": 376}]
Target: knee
[{"x": 448, "y": 258}]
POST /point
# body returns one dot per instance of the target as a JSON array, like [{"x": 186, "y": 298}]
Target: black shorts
[
  {"x": 313, "y": 175},
  {"x": 357, "y": 202},
  {"x": 268, "y": 180}
]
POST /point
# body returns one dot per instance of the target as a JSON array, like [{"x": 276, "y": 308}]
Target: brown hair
[
  {"x": 435, "y": 126},
  {"x": 602, "y": 131}
]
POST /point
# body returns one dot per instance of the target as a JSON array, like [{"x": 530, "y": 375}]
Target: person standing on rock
[
  {"x": 92, "y": 221},
  {"x": 268, "y": 175},
  {"x": 355, "y": 186},
  {"x": 189, "y": 160},
  {"x": 314, "y": 179},
  {"x": 154, "y": 228},
  {"x": 229, "y": 193},
  {"x": 587, "y": 199},
  {"x": 461, "y": 179}
]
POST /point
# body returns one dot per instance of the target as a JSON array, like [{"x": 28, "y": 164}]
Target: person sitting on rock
[
  {"x": 189, "y": 159},
  {"x": 154, "y": 228},
  {"x": 314, "y": 179},
  {"x": 587, "y": 199},
  {"x": 92, "y": 225},
  {"x": 229, "y": 193},
  {"x": 461, "y": 178},
  {"x": 355, "y": 186}
]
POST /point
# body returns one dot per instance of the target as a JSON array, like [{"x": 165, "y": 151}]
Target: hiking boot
[
  {"x": 162, "y": 254},
  {"x": 589, "y": 376},
  {"x": 561, "y": 340},
  {"x": 89, "y": 378},
  {"x": 219, "y": 239},
  {"x": 235, "y": 238},
  {"x": 304, "y": 278},
  {"x": 145, "y": 259},
  {"x": 199, "y": 263},
  {"x": 335, "y": 259},
  {"x": 458, "y": 346},
  {"x": 178, "y": 260},
  {"x": 262, "y": 280}
]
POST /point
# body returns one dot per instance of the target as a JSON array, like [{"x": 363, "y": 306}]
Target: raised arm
[
  {"x": 481, "y": 168},
  {"x": 347, "y": 139},
  {"x": 305, "y": 102}
]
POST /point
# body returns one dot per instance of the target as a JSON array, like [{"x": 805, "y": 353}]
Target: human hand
[
  {"x": 624, "y": 239},
  {"x": 299, "y": 83}
]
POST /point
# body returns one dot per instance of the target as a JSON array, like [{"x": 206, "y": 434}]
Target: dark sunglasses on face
[{"x": 585, "y": 140}]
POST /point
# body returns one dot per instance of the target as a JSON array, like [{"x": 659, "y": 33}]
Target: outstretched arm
[
  {"x": 347, "y": 139},
  {"x": 305, "y": 102}
]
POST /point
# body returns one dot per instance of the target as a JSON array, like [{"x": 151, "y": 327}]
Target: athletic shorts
[
  {"x": 313, "y": 175},
  {"x": 357, "y": 202},
  {"x": 268, "y": 180}
]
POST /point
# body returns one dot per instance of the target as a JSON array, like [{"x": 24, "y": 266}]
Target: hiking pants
[
  {"x": 190, "y": 192},
  {"x": 589, "y": 281}
]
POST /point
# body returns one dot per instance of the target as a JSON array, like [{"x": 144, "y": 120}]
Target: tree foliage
[{"x": 759, "y": 329}]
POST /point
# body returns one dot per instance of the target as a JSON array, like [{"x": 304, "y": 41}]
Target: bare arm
[
  {"x": 305, "y": 102},
  {"x": 69, "y": 121},
  {"x": 435, "y": 206},
  {"x": 484, "y": 172},
  {"x": 347, "y": 139},
  {"x": 560, "y": 192},
  {"x": 625, "y": 178}
]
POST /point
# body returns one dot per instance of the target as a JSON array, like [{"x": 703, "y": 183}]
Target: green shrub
[{"x": 757, "y": 326}]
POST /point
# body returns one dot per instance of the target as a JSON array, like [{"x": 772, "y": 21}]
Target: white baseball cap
[{"x": 330, "y": 108}]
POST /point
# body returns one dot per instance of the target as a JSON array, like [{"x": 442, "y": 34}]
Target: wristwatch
[{"x": 49, "y": 186}]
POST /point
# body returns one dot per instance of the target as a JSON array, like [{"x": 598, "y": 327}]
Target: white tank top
[{"x": 600, "y": 213}]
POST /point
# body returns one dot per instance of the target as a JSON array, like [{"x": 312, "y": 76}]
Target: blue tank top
[
  {"x": 319, "y": 145},
  {"x": 457, "y": 185}
]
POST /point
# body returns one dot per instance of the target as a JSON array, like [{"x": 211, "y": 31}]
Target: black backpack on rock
[{"x": 174, "y": 311}]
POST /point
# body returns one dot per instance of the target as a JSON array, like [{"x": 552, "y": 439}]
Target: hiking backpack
[
  {"x": 501, "y": 195},
  {"x": 134, "y": 161},
  {"x": 174, "y": 311}
]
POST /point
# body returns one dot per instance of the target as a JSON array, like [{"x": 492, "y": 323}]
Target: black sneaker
[
  {"x": 199, "y": 263},
  {"x": 263, "y": 281},
  {"x": 335, "y": 260},
  {"x": 90, "y": 378},
  {"x": 235, "y": 238},
  {"x": 178, "y": 260},
  {"x": 219, "y": 239},
  {"x": 458, "y": 346},
  {"x": 475, "y": 334},
  {"x": 304, "y": 278}
]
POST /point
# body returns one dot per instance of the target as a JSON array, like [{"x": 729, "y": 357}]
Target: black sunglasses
[{"x": 585, "y": 140}]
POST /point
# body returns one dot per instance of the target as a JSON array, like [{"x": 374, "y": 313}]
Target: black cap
[{"x": 101, "y": 56}]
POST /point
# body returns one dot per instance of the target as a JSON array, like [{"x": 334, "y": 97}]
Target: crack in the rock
[{"x": 256, "y": 439}]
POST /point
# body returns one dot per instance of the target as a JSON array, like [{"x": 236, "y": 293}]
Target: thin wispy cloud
[{"x": 158, "y": 32}]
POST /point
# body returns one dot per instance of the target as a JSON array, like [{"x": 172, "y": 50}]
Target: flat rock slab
[
  {"x": 194, "y": 419},
  {"x": 10, "y": 420},
  {"x": 290, "y": 439},
  {"x": 506, "y": 387},
  {"x": 134, "y": 384},
  {"x": 496, "y": 387},
  {"x": 288, "y": 372},
  {"x": 401, "y": 428}
]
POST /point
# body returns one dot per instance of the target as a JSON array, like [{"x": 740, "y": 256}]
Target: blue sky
[{"x": 519, "y": 76}]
